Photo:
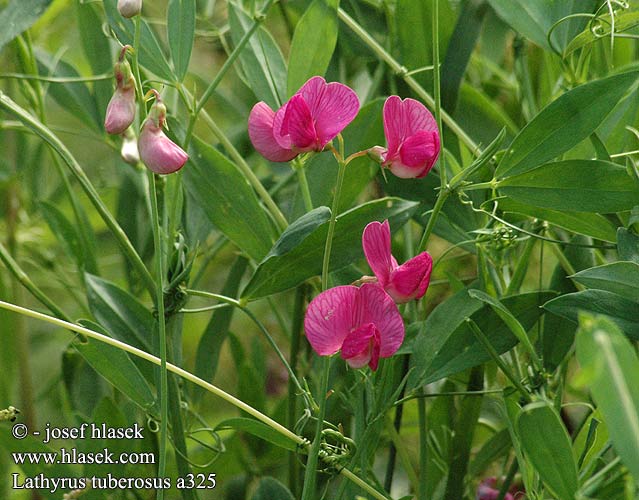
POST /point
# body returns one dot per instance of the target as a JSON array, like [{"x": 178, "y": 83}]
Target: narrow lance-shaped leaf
[
  {"x": 181, "y": 28},
  {"x": 612, "y": 369},
  {"x": 564, "y": 123},
  {"x": 547, "y": 445},
  {"x": 577, "y": 185},
  {"x": 18, "y": 16},
  {"x": 313, "y": 43}
]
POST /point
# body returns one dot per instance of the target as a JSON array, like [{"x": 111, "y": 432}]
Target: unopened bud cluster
[
  {"x": 154, "y": 148},
  {"x": 9, "y": 414}
]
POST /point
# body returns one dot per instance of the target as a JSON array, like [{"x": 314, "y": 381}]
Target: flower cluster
[
  {"x": 154, "y": 148},
  {"x": 319, "y": 111},
  {"x": 364, "y": 323}
]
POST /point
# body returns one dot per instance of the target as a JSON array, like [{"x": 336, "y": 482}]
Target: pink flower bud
[
  {"x": 159, "y": 153},
  {"x": 120, "y": 111},
  {"x": 129, "y": 8}
]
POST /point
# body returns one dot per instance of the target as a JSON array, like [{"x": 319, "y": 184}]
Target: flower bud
[
  {"x": 120, "y": 112},
  {"x": 129, "y": 8},
  {"x": 129, "y": 150},
  {"x": 159, "y": 153}
]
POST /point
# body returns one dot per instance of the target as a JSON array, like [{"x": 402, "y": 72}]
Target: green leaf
[
  {"x": 228, "y": 200},
  {"x": 497, "y": 446},
  {"x": 589, "y": 224},
  {"x": 261, "y": 59},
  {"x": 613, "y": 369},
  {"x": 546, "y": 442},
  {"x": 75, "y": 97},
  {"x": 627, "y": 245},
  {"x": 624, "y": 21},
  {"x": 116, "y": 367},
  {"x": 564, "y": 123},
  {"x": 210, "y": 345},
  {"x": 624, "y": 312},
  {"x": 151, "y": 54},
  {"x": 258, "y": 429},
  {"x": 181, "y": 30},
  {"x": 63, "y": 230},
  {"x": 279, "y": 272},
  {"x": 574, "y": 185},
  {"x": 120, "y": 313},
  {"x": 460, "y": 48},
  {"x": 321, "y": 170},
  {"x": 446, "y": 345},
  {"x": 270, "y": 488},
  {"x": 97, "y": 51},
  {"x": 18, "y": 16},
  {"x": 535, "y": 18},
  {"x": 313, "y": 43},
  {"x": 621, "y": 278}
]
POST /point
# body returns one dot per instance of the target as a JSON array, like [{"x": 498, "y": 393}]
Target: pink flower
[
  {"x": 120, "y": 112},
  {"x": 403, "y": 283},
  {"x": 363, "y": 323},
  {"x": 307, "y": 122},
  {"x": 487, "y": 490},
  {"x": 159, "y": 153},
  {"x": 412, "y": 137}
]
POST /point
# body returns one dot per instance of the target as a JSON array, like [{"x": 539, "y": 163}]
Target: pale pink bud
[
  {"x": 129, "y": 150},
  {"x": 129, "y": 8},
  {"x": 159, "y": 153},
  {"x": 121, "y": 110}
]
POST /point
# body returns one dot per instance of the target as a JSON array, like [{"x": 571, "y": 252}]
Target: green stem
[
  {"x": 257, "y": 21},
  {"x": 313, "y": 456},
  {"x": 306, "y": 192},
  {"x": 269, "y": 338},
  {"x": 56, "y": 79},
  {"x": 26, "y": 282},
  {"x": 437, "y": 92},
  {"x": 423, "y": 447},
  {"x": 495, "y": 356},
  {"x": 303, "y": 443},
  {"x": 410, "y": 81},
  {"x": 159, "y": 303},
  {"x": 50, "y": 138},
  {"x": 331, "y": 225},
  {"x": 403, "y": 454},
  {"x": 441, "y": 199},
  {"x": 244, "y": 167}
]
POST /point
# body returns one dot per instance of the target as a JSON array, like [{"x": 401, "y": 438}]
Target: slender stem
[
  {"x": 410, "y": 81},
  {"x": 257, "y": 322},
  {"x": 313, "y": 456},
  {"x": 423, "y": 447},
  {"x": 159, "y": 303},
  {"x": 430, "y": 226},
  {"x": 303, "y": 443},
  {"x": 403, "y": 454},
  {"x": 50, "y": 138},
  {"x": 495, "y": 356},
  {"x": 26, "y": 282},
  {"x": 56, "y": 79},
  {"x": 331, "y": 225},
  {"x": 257, "y": 21},
  {"x": 437, "y": 92},
  {"x": 136, "y": 62},
  {"x": 244, "y": 167},
  {"x": 306, "y": 192}
]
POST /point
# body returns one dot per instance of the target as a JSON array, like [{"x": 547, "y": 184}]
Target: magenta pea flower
[
  {"x": 403, "y": 283},
  {"x": 307, "y": 122},
  {"x": 120, "y": 112},
  {"x": 363, "y": 323},
  {"x": 412, "y": 138},
  {"x": 159, "y": 153}
]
